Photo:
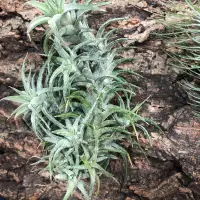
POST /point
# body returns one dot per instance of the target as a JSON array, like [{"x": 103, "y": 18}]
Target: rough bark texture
[{"x": 172, "y": 170}]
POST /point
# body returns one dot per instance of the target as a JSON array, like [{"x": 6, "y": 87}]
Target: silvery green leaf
[
  {"x": 22, "y": 109},
  {"x": 81, "y": 187},
  {"x": 37, "y": 22},
  {"x": 17, "y": 99},
  {"x": 103, "y": 171},
  {"x": 103, "y": 26},
  {"x": 70, "y": 188},
  {"x": 67, "y": 30},
  {"x": 61, "y": 177}
]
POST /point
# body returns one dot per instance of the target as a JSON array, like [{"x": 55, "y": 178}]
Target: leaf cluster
[
  {"x": 182, "y": 39},
  {"x": 69, "y": 103}
]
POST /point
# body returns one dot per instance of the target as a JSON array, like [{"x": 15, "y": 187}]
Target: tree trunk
[{"x": 169, "y": 169}]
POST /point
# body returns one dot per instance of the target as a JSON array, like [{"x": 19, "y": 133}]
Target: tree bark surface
[{"x": 171, "y": 168}]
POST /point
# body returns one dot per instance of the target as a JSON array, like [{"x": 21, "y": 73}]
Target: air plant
[
  {"x": 183, "y": 47},
  {"x": 69, "y": 103}
]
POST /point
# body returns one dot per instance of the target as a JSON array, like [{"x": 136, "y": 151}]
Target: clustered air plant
[
  {"x": 69, "y": 103},
  {"x": 182, "y": 39}
]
